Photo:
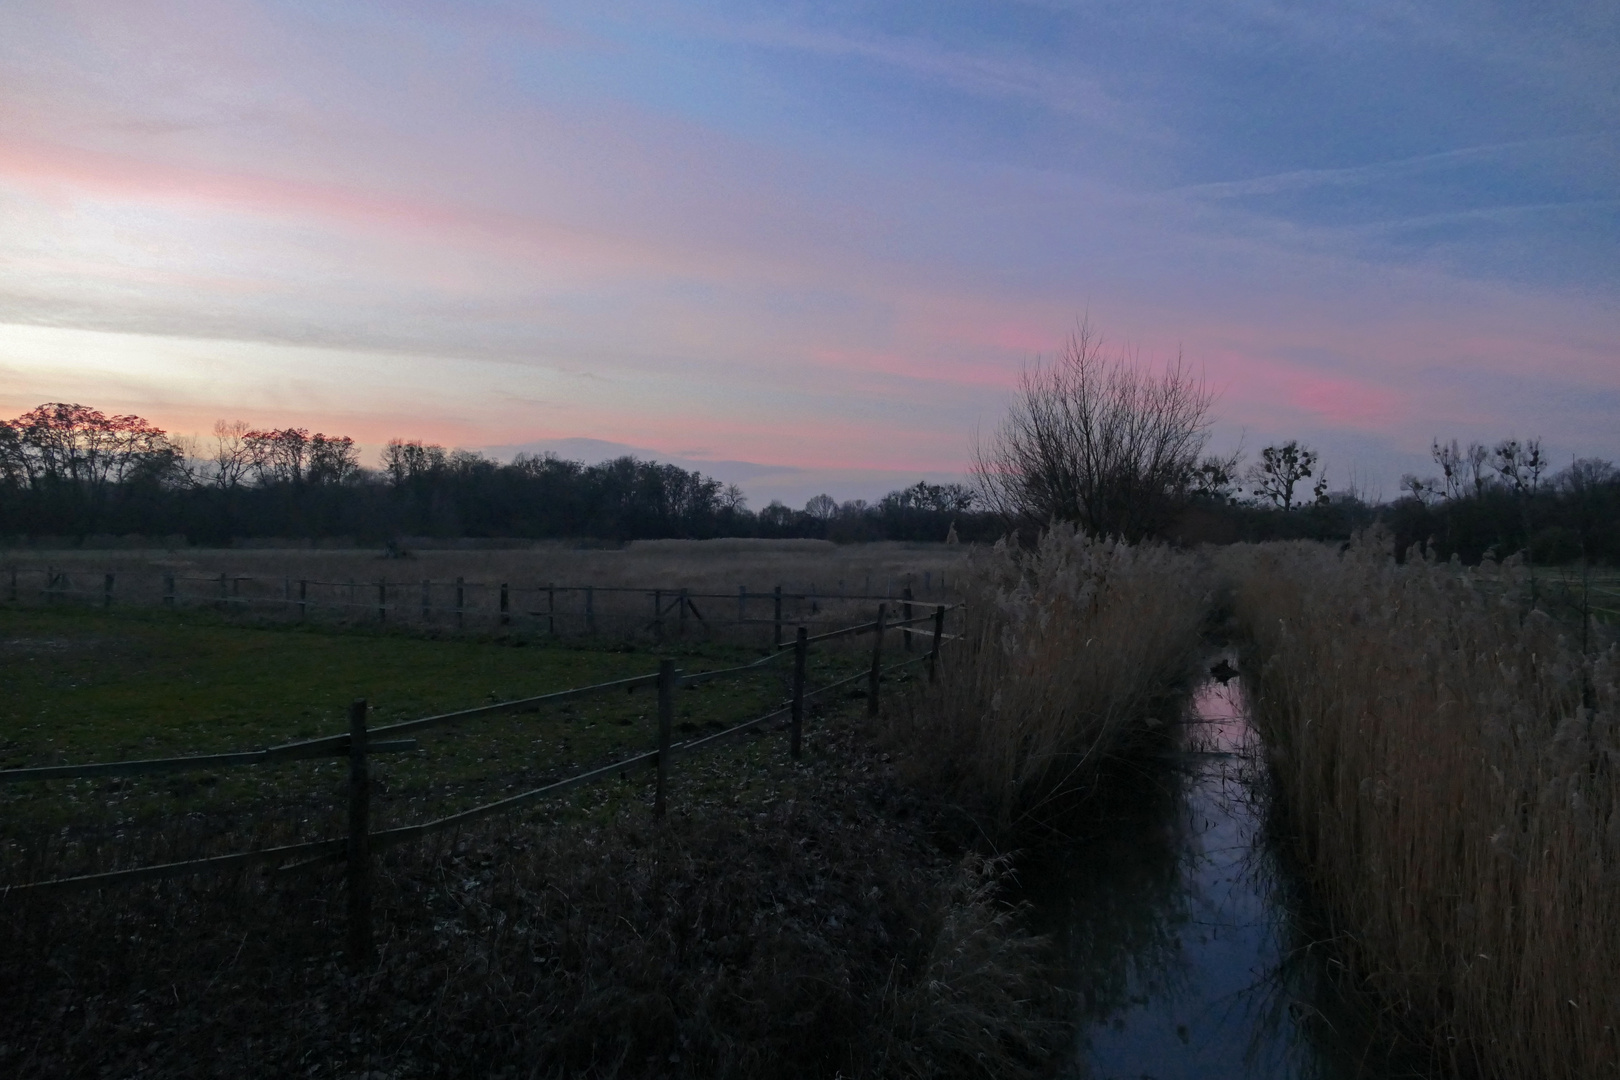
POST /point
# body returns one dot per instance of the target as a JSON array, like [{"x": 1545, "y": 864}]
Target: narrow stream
[{"x": 1181, "y": 927}]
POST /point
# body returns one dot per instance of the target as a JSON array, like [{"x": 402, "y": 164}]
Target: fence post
[
  {"x": 50, "y": 582},
  {"x": 551, "y": 608},
  {"x": 382, "y": 599},
  {"x": 461, "y": 599},
  {"x": 801, "y": 649},
  {"x": 506, "y": 606},
  {"x": 14, "y": 584},
  {"x": 658, "y": 614},
  {"x": 303, "y": 597},
  {"x": 668, "y": 678},
  {"x": 224, "y": 594},
  {"x": 590, "y": 609},
  {"x": 905, "y": 617},
  {"x": 877, "y": 663},
  {"x": 359, "y": 846},
  {"x": 286, "y": 594},
  {"x": 742, "y": 603},
  {"x": 106, "y": 591},
  {"x": 683, "y": 604},
  {"x": 933, "y": 652},
  {"x": 427, "y": 600},
  {"x": 776, "y": 634}
]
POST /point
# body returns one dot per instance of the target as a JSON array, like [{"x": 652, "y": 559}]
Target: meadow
[{"x": 786, "y": 914}]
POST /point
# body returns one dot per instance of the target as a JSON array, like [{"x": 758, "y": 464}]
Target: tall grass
[
  {"x": 1449, "y": 763},
  {"x": 1066, "y": 650}
]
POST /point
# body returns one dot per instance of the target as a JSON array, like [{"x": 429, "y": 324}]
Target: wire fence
[
  {"x": 573, "y": 610},
  {"x": 361, "y": 742}
]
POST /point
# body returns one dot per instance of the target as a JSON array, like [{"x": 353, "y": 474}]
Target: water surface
[{"x": 1183, "y": 932}]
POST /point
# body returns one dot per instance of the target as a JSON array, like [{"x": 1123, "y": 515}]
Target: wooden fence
[
  {"x": 567, "y": 609},
  {"x": 361, "y": 741}
]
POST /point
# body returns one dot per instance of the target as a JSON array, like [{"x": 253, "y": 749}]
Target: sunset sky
[{"x": 823, "y": 238}]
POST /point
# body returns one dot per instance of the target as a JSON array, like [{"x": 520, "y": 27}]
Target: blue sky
[{"x": 820, "y": 237}]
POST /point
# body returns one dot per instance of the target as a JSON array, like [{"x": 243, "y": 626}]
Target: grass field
[
  {"x": 84, "y": 686},
  {"x": 787, "y": 917}
]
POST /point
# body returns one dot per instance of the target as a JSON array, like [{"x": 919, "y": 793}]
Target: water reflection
[{"x": 1180, "y": 927}]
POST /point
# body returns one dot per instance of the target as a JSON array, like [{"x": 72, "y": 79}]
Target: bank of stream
[{"x": 1184, "y": 933}]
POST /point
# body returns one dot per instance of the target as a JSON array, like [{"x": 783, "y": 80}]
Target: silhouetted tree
[
  {"x": 1280, "y": 469},
  {"x": 1097, "y": 441}
]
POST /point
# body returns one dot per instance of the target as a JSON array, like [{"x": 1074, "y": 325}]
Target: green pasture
[
  {"x": 84, "y": 685},
  {"x": 1569, "y": 590}
]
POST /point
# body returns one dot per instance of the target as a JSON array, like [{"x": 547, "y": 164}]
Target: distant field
[
  {"x": 710, "y": 565},
  {"x": 83, "y": 685},
  {"x": 545, "y": 583}
]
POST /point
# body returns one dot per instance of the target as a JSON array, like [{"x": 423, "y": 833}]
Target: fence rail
[
  {"x": 584, "y": 609},
  {"x": 361, "y": 843}
]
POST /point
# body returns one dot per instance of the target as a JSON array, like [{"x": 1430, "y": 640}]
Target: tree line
[
  {"x": 1090, "y": 439},
  {"x": 1096, "y": 439},
  {"x": 68, "y": 470}
]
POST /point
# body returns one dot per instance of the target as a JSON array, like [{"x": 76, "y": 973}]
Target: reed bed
[
  {"x": 1067, "y": 652},
  {"x": 1447, "y": 762}
]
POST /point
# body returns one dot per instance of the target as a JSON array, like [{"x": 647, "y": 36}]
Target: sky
[{"x": 813, "y": 245}]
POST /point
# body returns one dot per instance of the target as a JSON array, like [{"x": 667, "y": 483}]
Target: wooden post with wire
[
  {"x": 668, "y": 678},
  {"x": 905, "y": 617},
  {"x": 359, "y": 845},
  {"x": 506, "y": 606},
  {"x": 801, "y": 649},
  {"x": 933, "y": 651},
  {"x": 877, "y": 662}
]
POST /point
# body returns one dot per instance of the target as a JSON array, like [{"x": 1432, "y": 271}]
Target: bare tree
[
  {"x": 403, "y": 460},
  {"x": 1280, "y": 469},
  {"x": 72, "y": 444},
  {"x": 823, "y": 507},
  {"x": 1453, "y": 467},
  {"x": 1097, "y": 441},
  {"x": 333, "y": 459},
  {"x": 232, "y": 456},
  {"x": 1519, "y": 465},
  {"x": 1475, "y": 460}
]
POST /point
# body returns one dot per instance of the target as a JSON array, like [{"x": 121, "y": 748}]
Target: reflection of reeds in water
[
  {"x": 1066, "y": 650},
  {"x": 1448, "y": 762}
]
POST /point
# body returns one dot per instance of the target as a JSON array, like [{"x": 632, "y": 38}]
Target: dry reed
[
  {"x": 1447, "y": 760},
  {"x": 1065, "y": 652}
]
